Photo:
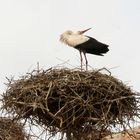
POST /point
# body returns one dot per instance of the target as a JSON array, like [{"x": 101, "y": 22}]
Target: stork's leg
[
  {"x": 81, "y": 58},
  {"x": 86, "y": 60}
]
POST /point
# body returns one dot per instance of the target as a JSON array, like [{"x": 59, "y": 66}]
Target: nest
[
  {"x": 10, "y": 130},
  {"x": 71, "y": 101}
]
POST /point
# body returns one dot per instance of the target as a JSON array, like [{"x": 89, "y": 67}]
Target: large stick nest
[
  {"x": 71, "y": 100},
  {"x": 10, "y": 130}
]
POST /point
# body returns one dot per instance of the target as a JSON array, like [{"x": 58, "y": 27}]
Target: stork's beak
[{"x": 81, "y": 32}]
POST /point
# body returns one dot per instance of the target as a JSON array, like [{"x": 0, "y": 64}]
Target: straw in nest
[
  {"x": 71, "y": 101},
  {"x": 10, "y": 130}
]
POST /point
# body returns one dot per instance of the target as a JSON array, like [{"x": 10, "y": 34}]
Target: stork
[{"x": 85, "y": 44}]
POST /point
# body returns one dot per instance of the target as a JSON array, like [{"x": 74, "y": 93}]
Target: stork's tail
[
  {"x": 105, "y": 48},
  {"x": 99, "y": 50}
]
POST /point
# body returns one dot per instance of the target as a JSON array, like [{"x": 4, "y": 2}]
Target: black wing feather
[{"x": 93, "y": 46}]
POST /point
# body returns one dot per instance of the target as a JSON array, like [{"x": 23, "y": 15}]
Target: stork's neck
[{"x": 74, "y": 40}]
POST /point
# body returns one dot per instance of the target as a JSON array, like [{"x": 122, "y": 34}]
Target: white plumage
[
  {"x": 84, "y": 44},
  {"x": 73, "y": 38}
]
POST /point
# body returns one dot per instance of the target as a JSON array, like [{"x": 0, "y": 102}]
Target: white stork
[{"x": 85, "y": 44}]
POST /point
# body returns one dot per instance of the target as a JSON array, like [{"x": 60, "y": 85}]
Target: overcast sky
[{"x": 30, "y": 29}]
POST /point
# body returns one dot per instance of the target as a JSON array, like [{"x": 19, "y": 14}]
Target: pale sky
[{"x": 30, "y": 29}]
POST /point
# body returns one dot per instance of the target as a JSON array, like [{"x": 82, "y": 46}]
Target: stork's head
[{"x": 73, "y": 38}]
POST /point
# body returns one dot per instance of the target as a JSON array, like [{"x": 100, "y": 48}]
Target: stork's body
[{"x": 84, "y": 44}]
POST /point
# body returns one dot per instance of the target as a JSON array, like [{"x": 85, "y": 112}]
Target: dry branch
[
  {"x": 11, "y": 130},
  {"x": 72, "y": 101}
]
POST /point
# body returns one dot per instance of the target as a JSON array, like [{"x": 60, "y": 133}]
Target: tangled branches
[
  {"x": 10, "y": 130},
  {"x": 71, "y": 101}
]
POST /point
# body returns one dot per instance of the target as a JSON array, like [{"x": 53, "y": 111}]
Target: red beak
[{"x": 81, "y": 32}]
